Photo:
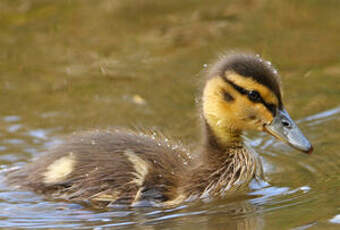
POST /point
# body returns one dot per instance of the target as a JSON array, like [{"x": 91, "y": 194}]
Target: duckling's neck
[
  {"x": 224, "y": 165},
  {"x": 220, "y": 168},
  {"x": 224, "y": 162},
  {"x": 220, "y": 139}
]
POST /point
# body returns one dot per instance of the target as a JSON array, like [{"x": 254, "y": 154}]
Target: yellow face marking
[
  {"x": 250, "y": 84},
  {"x": 59, "y": 169},
  {"x": 227, "y": 118},
  {"x": 268, "y": 96},
  {"x": 217, "y": 112},
  {"x": 141, "y": 167}
]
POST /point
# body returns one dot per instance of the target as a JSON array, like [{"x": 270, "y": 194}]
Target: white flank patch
[
  {"x": 59, "y": 169},
  {"x": 141, "y": 167}
]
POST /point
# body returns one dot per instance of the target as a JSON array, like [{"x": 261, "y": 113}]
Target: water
[{"x": 67, "y": 66}]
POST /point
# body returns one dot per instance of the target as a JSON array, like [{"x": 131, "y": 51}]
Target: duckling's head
[{"x": 243, "y": 92}]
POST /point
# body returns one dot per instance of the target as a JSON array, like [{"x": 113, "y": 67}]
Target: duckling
[{"x": 121, "y": 167}]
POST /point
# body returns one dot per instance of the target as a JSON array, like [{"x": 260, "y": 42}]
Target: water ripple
[{"x": 295, "y": 180}]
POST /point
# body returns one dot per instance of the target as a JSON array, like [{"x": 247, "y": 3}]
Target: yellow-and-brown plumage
[{"x": 242, "y": 92}]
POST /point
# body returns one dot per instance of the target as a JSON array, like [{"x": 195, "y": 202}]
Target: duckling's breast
[{"x": 232, "y": 170}]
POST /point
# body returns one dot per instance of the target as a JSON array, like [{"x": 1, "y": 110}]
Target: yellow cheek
[
  {"x": 264, "y": 115},
  {"x": 238, "y": 112},
  {"x": 248, "y": 115}
]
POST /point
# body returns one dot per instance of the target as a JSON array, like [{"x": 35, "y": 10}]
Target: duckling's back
[{"x": 110, "y": 167}]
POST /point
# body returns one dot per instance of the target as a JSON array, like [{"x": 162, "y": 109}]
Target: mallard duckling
[{"x": 241, "y": 92}]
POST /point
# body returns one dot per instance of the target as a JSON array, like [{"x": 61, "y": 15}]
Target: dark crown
[{"x": 251, "y": 66}]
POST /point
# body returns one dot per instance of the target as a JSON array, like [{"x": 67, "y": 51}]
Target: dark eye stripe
[
  {"x": 271, "y": 107},
  {"x": 238, "y": 88}
]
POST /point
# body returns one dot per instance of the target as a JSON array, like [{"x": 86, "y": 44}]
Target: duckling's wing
[{"x": 107, "y": 166}]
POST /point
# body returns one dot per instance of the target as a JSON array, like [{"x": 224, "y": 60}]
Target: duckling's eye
[{"x": 254, "y": 96}]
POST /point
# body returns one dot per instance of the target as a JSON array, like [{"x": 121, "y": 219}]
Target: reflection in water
[
  {"x": 335, "y": 219},
  {"x": 236, "y": 215},
  {"x": 322, "y": 117}
]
